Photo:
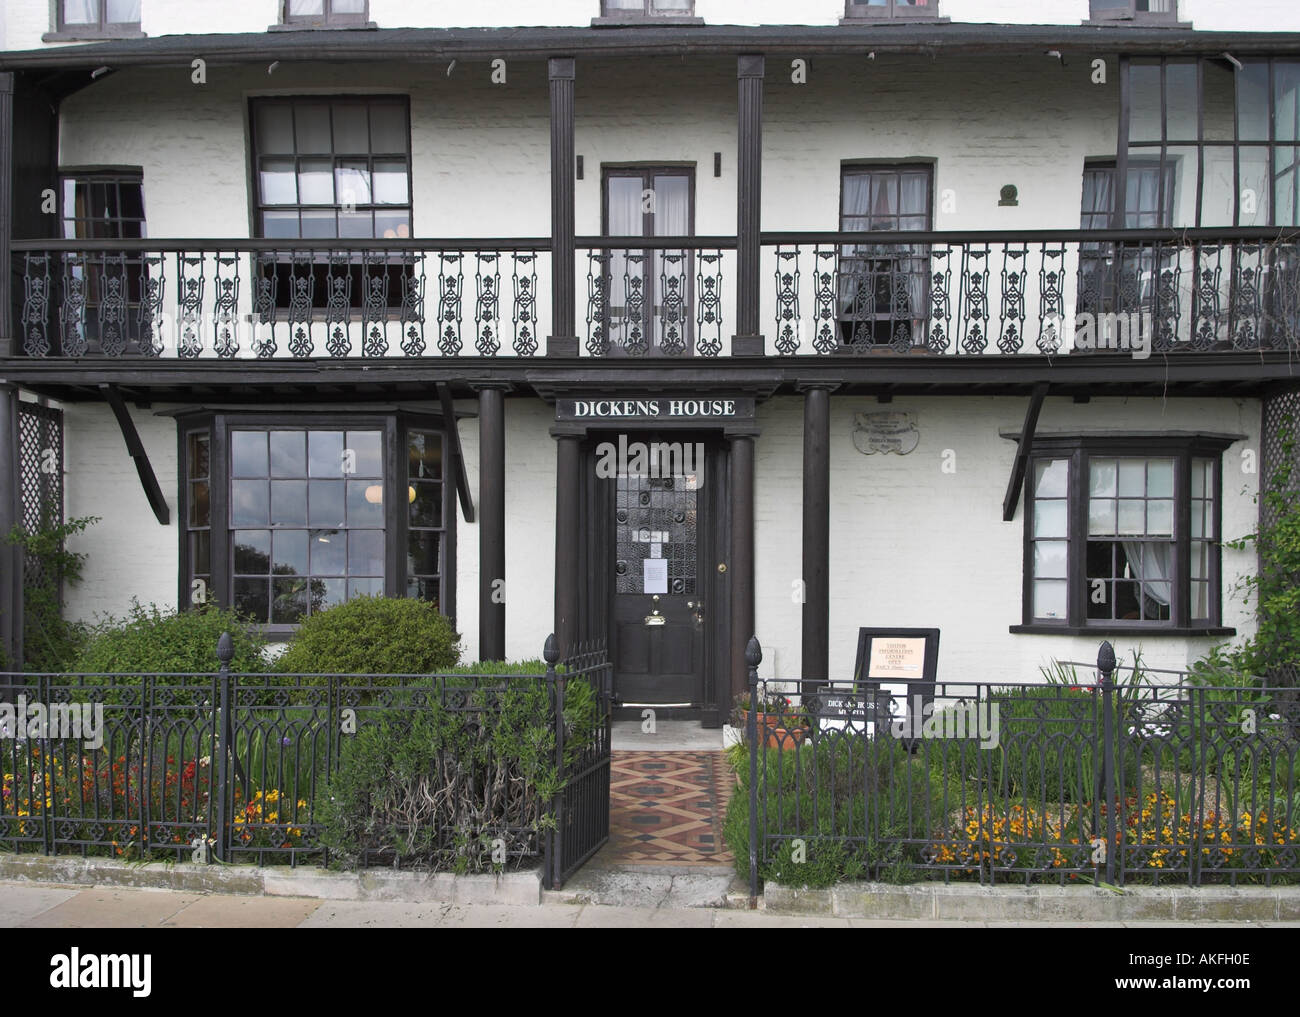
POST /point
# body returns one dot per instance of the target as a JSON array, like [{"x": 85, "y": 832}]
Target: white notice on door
[
  {"x": 656, "y": 575},
  {"x": 656, "y": 549}
]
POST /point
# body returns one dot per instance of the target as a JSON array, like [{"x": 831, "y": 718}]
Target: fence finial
[
  {"x": 753, "y": 652},
  {"x": 225, "y": 649},
  {"x": 1106, "y": 660},
  {"x": 551, "y": 651}
]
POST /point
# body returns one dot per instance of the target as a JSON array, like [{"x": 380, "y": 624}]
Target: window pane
[
  {"x": 250, "y": 503},
  {"x": 201, "y": 553},
  {"x": 312, "y": 127},
  {"x": 366, "y": 553},
  {"x": 393, "y": 225},
  {"x": 1200, "y": 600},
  {"x": 352, "y": 183},
  {"x": 1050, "y": 559},
  {"x": 248, "y": 453},
  {"x": 326, "y": 453},
  {"x": 327, "y": 503},
  {"x": 1180, "y": 97},
  {"x": 274, "y": 122},
  {"x": 252, "y": 552},
  {"x": 1198, "y": 518},
  {"x": 426, "y": 508},
  {"x": 1132, "y": 518},
  {"x": 1160, "y": 518},
  {"x": 288, "y": 454},
  {"x": 1200, "y": 559},
  {"x": 329, "y": 552},
  {"x": 81, "y": 12},
  {"x": 1051, "y": 478},
  {"x": 423, "y": 589},
  {"x": 425, "y": 455},
  {"x": 289, "y": 601},
  {"x": 289, "y": 503},
  {"x": 1049, "y": 598},
  {"x": 390, "y": 183},
  {"x": 351, "y": 128},
  {"x": 1101, "y": 517},
  {"x": 306, "y": 8},
  {"x": 388, "y": 135},
  {"x": 356, "y": 225},
  {"x": 365, "y": 588},
  {"x": 365, "y": 503},
  {"x": 1252, "y": 101},
  {"x": 1144, "y": 110},
  {"x": 279, "y": 182},
  {"x": 422, "y": 554},
  {"x": 318, "y": 226},
  {"x": 1101, "y": 478},
  {"x": 349, "y": 6},
  {"x": 316, "y": 182},
  {"x": 1286, "y": 99},
  {"x": 122, "y": 12},
  {"x": 366, "y": 457},
  {"x": 1050, "y": 519},
  {"x": 280, "y": 225},
  {"x": 290, "y": 552},
  {"x": 199, "y": 446},
  {"x": 1132, "y": 478},
  {"x": 252, "y": 598},
  {"x": 1160, "y": 478},
  {"x": 200, "y": 504}
]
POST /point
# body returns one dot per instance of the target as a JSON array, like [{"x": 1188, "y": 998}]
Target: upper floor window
[
  {"x": 647, "y": 8},
  {"x": 87, "y": 18},
  {"x": 326, "y": 13},
  {"x": 1134, "y": 10},
  {"x": 858, "y": 9}
]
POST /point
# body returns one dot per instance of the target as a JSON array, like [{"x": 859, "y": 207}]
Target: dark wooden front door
[{"x": 661, "y": 611}]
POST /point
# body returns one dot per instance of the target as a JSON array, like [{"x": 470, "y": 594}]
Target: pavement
[{"x": 49, "y": 906}]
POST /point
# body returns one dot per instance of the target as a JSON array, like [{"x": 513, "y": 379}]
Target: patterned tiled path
[{"x": 668, "y": 807}]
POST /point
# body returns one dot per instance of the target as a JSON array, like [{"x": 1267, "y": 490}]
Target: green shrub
[
  {"x": 373, "y": 636},
  {"x": 436, "y": 787},
  {"x": 153, "y": 641},
  {"x": 51, "y": 643}
]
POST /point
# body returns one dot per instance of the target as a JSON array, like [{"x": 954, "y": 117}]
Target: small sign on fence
[{"x": 896, "y": 668}]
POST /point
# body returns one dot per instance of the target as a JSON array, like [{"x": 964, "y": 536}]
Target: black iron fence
[
  {"x": 238, "y": 767},
  {"x": 1045, "y": 292},
  {"x": 1113, "y": 775}
]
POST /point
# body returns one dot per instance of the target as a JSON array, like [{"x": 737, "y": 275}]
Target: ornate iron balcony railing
[
  {"x": 968, "y": 294},
  {"x": 1044, "y": 292}
]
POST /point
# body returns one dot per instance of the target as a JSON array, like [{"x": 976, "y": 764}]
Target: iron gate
[{"x": 581, "y": 810}]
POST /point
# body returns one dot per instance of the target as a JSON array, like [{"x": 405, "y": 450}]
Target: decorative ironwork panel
[
  {"x": 674, "y": 279},
  {"x": 487, "y": 306},
  {"x": 72, "y": 311},
  {"x": 655, "y": 517},
  {"x": 40, "y": 467},
  {"x": 1167, "y": 310},
  {"x": 973, "y": 312},
  {"x": 1012, "y": 331},
  {"x": 635, "y": 342},
  {"x": 524, "y": 316},
  {"x": 150, "y": 313},
  {"x": 113, "y": 295},
  {"x": 598, "y": 302},
  {"x": 787, "y": 301},
  {"x": 1207, "y": 302},
  {"x": 1051, "y": 299},
  {"x": 1247, "y": 303},
  {"x": 940, "y": 334},
  {"x": 708, "y": 304},
  {"x": 36, "y": 305},
  {"x": 338, "y": 307},
  {"x": 413, "y": 268},
  {"x": 826, "y": 270},
  {"x": 451, "y": 290},
  {"x": 374, "y": 305},
  {"x": 302, "y": 293},
  {"x": 190, "y": 280},
  {"x": 265, "y": 306},
  {"x": 225, "y": 328}
]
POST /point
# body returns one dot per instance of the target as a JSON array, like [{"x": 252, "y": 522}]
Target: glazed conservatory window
[
  {"x": 98, "y": 17},
  {"x": 322, "y": 13},
  {"x": 860, "y": 9},
  {"x": 1118, "y": 538}
]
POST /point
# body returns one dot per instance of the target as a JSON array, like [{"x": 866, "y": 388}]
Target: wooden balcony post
[
  {"x": 816, "y": 532},
  {"x": 741, "y": 568},
  {"x": 11, "y": 559},
  {"x": 563, "y": 341},
  {"x": 7, "y": 345},
  {"x": 749, "y": 195},
  {"x": 568, "y": 466},
  {"x": 492, "y": 523}
]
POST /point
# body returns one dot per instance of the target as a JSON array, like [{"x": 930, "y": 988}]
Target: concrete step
[{"x": 653, "y": 886}]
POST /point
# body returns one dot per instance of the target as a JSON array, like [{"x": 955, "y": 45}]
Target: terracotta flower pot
[{"x": 785, "y": 738}]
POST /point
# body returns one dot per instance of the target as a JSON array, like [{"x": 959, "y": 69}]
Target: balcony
[{"x": 941, "y": 295}]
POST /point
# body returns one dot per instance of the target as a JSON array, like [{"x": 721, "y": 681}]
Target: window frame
[
  {"x": 646, "y": 14},
  {"x": 1078, "y": 449},
  {"x": 857, "y": 13},
  {"x": 61, "y": 31},
  {"x": 394, "y": 426},
  {"x": 328, "y": 19},
  {"x": 1130, "y": 15}
]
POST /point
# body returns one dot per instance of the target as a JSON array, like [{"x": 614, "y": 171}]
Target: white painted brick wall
[
  {"x": 912, "y": 546},
  {"x": 130, "y": 552}
]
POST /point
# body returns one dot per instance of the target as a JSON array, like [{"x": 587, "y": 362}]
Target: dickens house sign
[{"x": 657, "y": 409}]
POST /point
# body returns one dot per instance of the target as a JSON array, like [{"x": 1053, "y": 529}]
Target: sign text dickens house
[{"x": 654, "y": 409}]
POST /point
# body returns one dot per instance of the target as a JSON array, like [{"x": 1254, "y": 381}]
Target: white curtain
[
  {"x": 123, "y": 12},
  {"x": 913, "y": 199},
  {"x": 81, "y": 12},
  {"x": 1152, "y": 566},
  {"x": 671, "y": 268}
]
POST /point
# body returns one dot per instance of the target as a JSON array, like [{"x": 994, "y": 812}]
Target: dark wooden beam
[
  {"x": 749, "y": 197},
  {"x": 816, "y": 533},
  {"x": 563, "y": 341},
  {"x": 492, "y": 527},
  {"x": 148, "y": 480},
  {"x": 741, "y": 566},
  {"x": 1017, "y": 481},
  {"x": 463, "y": 491},
  {"x": 11, "y": 560},
  {"x": 568, "y": 533}
]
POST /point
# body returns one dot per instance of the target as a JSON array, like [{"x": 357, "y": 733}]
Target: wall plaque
[{"x": 885, "y": 432}]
